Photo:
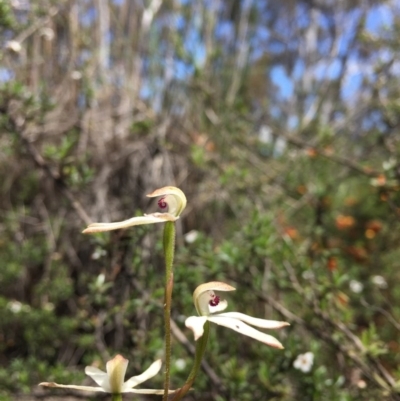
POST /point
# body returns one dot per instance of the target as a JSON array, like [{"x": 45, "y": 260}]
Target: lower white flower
[
  {"x": 356, "y": 286},
  {"x": 180, "y": 364},
  {"x": 112, "y": 381},
  {"x": 14, "y": 306},
  {"x": 207, "y": 303},
  {"x": 304, "y": 362},
  {"x": 380, "y": 282},
  {"x": 191, "y": 236}
]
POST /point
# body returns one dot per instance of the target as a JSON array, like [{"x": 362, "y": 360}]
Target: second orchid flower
[{"x": 208, "y": 303}]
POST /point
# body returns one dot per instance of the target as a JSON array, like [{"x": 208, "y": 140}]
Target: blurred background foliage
[{"x": 280, "y": 122}]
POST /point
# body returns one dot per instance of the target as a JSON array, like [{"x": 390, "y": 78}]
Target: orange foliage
[
  {"x": 344, "y": 222},
  {"x": 358, "y": 253},
  {"x": 350, "y": 201},
  {"x": 380, "y": 180},
  {"x": 301, "y": 189},
  {"x": 332, "y": 263},
  {"x": 291, "y": 232},
  {"x": 342, "y": 299},
  {"x": 311, "y": 152}
]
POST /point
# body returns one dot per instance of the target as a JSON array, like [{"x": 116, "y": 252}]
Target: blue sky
[{"x": 379, "y": 17}]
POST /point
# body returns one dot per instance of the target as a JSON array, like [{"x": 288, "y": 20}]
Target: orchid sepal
[
  {"x": 254, "y": 321},
  {"x": 243, "y": 328},
  {"x": 196, "y": 324}
]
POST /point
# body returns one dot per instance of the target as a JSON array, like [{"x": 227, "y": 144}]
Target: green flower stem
[
  {"x": 169, "y": 251},
  {"x": 116, "y": 397},
  {"x": 200, "y": 350}
]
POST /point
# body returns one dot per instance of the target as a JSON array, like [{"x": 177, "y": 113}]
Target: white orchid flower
[
  {"x": 171, "y": 197},
  {"x": 207, "y": 303},
  {"x": 112, "y": 381}
]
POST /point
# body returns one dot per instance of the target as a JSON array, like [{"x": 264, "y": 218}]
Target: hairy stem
[
  {"x": 200, "y": 350},
  {"x": 169, "y": 251}
]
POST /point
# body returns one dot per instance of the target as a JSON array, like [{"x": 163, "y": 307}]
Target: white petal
[
  {"x": 116, "y": 369},
  {"x": 263, "y": 323},
  {"x": 298, "y": 363},
  {"x": 246, "y": 330},
  {"x": 196, "y": 323},
  {"x": 135, "y": 221},
  {"x": 146, "y": 375},
  {"x": 100, "y": 377},
  {"x": 83, "y": 388},
  {"x": 148, "y": 391}
]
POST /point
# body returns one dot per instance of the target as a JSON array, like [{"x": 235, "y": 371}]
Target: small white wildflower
[
  {"x": 304, "y": 362},
  {"x": 280, "y": 146},
  {"x": 356, "y": 286},
  {"x": 361, "y": 384},
  {"x": 191, "y": 236},
  {"x": 180, "y": 364},
  {"x": 389, "y": 164},
  {"x": 265, "y": 134},
  {"x": 100, "y": 279},
  {"x": 14, "y": 306},
  {"x": 380, "y": 282},
  {"x": 98, "y": 253}
]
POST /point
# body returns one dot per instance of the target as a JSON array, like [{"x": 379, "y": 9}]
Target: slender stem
[
  {"x": 116, "y": 397},
  {"x": 200, "y": 350},
  {"x": 169, "y": 251}
]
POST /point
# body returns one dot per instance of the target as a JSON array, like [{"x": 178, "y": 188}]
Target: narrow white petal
[
  {"x": 196, "y": 323},
  {"x": 83, "y": 388},
  {"x": 246, "y": 330},
  {"x": 134, "y": 221},
  {"x": 263, "y": 323},
  {"x": 146, "y": 375},
  {"x": 116, "y": 369},
  {"x": 100, "y": 377},
  {"x": 148, "y": 391},
  {"x": 164, "y": 216}
]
